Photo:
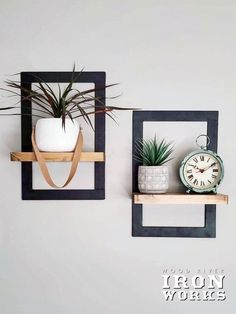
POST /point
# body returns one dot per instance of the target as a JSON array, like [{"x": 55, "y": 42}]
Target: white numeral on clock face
[{"x": 202, "y": 171}]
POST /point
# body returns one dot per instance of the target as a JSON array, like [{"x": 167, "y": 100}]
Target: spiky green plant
[
  {"x": 153, "y": 153},
  {"x": 67, "y": 103}
]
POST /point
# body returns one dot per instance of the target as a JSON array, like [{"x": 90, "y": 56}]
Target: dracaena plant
[
  {"x": 150, "y": 152},
  {"x": 68, "y": 102}
]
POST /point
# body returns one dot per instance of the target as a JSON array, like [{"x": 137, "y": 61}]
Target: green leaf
[{"x": 152, "y": 153}]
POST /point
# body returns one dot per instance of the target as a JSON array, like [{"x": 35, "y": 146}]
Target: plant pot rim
[{"x": 52, "y": 118}]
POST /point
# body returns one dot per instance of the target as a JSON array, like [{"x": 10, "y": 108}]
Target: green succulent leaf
[{"x": 150, "y": 152}]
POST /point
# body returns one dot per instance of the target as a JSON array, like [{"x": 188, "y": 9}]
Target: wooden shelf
[
  {"x": 180, "y": 198},
  {"x": 49, "y": 156}
]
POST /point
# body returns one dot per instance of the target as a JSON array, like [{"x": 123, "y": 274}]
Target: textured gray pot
[{"x": 153, "y": 179}]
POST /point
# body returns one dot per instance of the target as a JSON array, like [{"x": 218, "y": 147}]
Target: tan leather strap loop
[{"x": 74, "y": 164}]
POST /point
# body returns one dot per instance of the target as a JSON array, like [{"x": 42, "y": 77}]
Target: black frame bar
[
  {"x": 209, "y": 229},
  {"x": 28, "y": 193}
]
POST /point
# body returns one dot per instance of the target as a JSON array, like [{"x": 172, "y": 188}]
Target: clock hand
[
  {"x": 205, "y": 169},
  {"x": 209, "y": 166},
  {"x": 201, "y": 170}
]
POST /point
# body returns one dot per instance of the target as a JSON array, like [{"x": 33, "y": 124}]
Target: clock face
[{"x": 202, "y": 171}]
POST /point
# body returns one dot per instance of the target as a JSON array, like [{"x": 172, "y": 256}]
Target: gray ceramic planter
[{"x": 153, "y": 179}]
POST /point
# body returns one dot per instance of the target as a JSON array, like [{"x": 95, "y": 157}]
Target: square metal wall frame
[
  {"x": 28, "y": 193},
  {"x": 209, "y": 229}
]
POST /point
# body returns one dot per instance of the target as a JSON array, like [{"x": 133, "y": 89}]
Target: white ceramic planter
[
  {"x": 50, "y": 136},
  {"x": 153, "y": 179}
]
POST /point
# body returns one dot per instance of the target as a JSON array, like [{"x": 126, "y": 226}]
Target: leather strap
[{"x": 74, "y": 163}]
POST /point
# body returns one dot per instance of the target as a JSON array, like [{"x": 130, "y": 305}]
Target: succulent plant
[{"x": 153, "y": 153}]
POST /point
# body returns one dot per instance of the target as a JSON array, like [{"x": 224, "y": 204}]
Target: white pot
[
  {"x": 153, "y": 179},
  {"x": 50, "y": 136}
]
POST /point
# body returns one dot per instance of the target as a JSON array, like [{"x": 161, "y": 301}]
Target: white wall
[{"x": 78, "y": 256}]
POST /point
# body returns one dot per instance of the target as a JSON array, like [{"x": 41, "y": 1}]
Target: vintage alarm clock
[{"x": 202, "y": 170}]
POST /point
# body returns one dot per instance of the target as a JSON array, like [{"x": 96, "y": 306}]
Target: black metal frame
[
  {"x": 209, "y": 229},
  {"x": 28, "y": 193}
]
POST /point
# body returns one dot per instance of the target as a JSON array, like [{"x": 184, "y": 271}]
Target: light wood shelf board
[
  {"x": 180, "y": 198},
  {"x": 57, "y": 157}
]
